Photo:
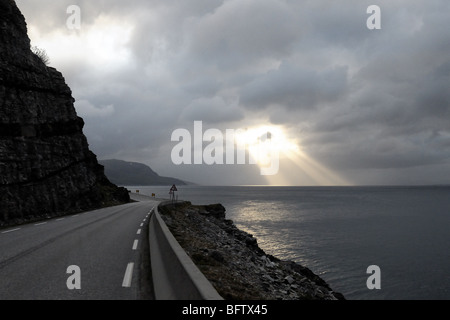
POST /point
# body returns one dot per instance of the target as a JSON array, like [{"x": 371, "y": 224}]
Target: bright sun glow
[
  {"x": 102, "y": 45},
  {"x": 264, "y": 141},
  {"x": 295, "y": 166}
]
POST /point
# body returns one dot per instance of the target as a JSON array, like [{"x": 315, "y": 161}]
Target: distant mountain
[{"x": 135, "y": 174}]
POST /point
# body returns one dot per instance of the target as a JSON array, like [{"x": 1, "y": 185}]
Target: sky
[{"x": 306, "y": 82}]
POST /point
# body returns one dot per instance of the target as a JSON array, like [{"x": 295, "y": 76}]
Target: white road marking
[
  {"x": 75, "y": 215},
  {"x": 135, "y": 244},
  {"x": 8, "y": 231},
  {"x": 128, "y": 275},
  {"x": 59, "y": 219},
  {"x": 39, "y": 224},
  {"x": 141, "y": 224},
  {"x": 139, "y": 231}
]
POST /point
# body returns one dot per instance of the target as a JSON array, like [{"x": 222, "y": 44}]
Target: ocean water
[{"x": 338, "y": 232}]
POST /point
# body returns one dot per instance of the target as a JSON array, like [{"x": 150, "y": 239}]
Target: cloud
[
  {"x": 372, "y": 105},
  {"x": 87, "y": 109},
  {"x": 212, "y": 110},
  {"x": 238, "y": 33},
  {"x": 292, "y": 88}
]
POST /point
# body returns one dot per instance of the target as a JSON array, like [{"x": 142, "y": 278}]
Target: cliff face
[{"x": 46, "y": 167}]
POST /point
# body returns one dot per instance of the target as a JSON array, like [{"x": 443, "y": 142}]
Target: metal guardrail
[{"x": 175, "y": 276}]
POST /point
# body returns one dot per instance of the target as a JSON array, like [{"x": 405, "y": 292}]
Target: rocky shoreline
[{"x": 233, "y": 262}]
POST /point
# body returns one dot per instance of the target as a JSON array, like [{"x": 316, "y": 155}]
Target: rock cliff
[{"x": 46, "y": 167}]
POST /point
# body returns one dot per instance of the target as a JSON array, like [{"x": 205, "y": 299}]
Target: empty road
[{"x": 96, "y": 255}]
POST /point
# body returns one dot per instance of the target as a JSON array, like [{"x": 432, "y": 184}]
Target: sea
[{"x": 340, "y": 232}]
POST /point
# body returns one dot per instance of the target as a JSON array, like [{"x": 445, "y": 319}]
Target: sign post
[{"x": 172, "y": 192}]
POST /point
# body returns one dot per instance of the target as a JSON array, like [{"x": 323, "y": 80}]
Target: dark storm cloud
[
  {"x": 243, "y": 32},
  {"x": 295, "y": 88},
  {"x": 373, "y": 105},
  {"x": 213, "y": 110}
]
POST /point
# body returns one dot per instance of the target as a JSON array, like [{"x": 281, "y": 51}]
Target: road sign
[{"x": 172, "y": 192}]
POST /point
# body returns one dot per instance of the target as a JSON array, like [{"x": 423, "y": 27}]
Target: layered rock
[
  {"x": 46, "y": 167},
  {"x": 234, "y": 263}
]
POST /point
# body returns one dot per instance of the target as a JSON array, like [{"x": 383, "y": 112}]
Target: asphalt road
[{"x": 97, "y": 255}]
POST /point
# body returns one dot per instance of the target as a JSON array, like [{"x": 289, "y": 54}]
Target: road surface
[{"x": 97, "y": 255}]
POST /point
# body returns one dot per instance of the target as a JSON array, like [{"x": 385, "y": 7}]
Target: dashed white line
[
  {"x": 39, "y": 224},
  {"x": 139, "y": 231},
  {"x": 135, "y": 244},
  {"x": 141, "y": 225},
  {"x": 8, "y": 231},
  {"x": 59, "y": 219},
  {"x": 128, "y": 275}
]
